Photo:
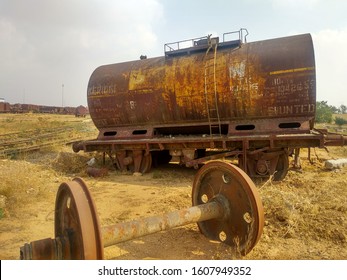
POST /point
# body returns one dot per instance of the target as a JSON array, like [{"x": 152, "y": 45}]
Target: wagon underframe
[{"x": 258, "y": 155}]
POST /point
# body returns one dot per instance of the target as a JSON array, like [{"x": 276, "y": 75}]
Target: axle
[
  {"x": 113, "y": 234},
  {"x": 130, "y": 230},
  {"x": 121, "y": 232},
  {"x": 226, "y": 206}
]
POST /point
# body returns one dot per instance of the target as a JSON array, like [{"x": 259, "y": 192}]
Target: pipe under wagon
[{"x": 214, "y": 98}]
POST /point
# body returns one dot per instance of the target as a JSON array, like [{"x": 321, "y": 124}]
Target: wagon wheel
[
  {"x": 146, "y": 162},
  {"x": 261, "y": 168},
  {"x": 281, "y": 167},
  {"x": 76, "y": 222},
  {"x": 242, "y": 227}
]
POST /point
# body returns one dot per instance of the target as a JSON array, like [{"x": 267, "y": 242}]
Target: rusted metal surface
[
  {"x": 97, "y": 172},
  {"x": 255, "y": 101},
  {"x": 44, "y": 249},
  {"x": 76, "y": 224},
  {"x": 233, "y": 96},
  {"x": 243, "y": 225},
  {"x": 262, "y": 80},
  {"x": 75, "y": 211},
  {"x": 130, "y": 230},
  {"x": 265, "y": 162},
  {"x": 132, "y": 160},
  {"x": 195, "y": 142},
  {"x": 333, "y": 139},
  {"x": 226, "y": 206}
]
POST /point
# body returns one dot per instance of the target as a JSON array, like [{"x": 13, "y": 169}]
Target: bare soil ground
[{"x": 305, "y": 214}]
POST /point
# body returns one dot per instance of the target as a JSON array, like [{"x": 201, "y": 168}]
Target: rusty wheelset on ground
[{"x": 226, "y": 206}]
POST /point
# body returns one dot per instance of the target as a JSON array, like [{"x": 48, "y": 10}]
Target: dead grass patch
[
  {"x": 70, "y": 163},
  {"x": 306, "y": 205},
  {"x": 23, "y": 184}
]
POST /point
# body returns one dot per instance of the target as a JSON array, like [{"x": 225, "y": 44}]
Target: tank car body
[
  {"x": 255, "y": 101},
  {"x": 228, "y": 88}
]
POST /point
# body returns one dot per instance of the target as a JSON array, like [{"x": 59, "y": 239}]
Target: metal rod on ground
[
  {"x": 121, "y": 232},
  {"x": 60, "y": 247}
]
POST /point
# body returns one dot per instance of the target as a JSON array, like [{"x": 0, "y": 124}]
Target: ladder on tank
[{"x": 211, "y": 88}]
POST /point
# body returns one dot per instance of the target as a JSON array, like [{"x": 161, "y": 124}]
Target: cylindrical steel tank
[{"x": 263, "y": 80}]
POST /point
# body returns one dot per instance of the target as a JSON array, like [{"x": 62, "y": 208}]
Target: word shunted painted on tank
[{"x": 291, "y": 109}]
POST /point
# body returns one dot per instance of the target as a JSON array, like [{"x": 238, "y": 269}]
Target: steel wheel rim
[
  {"x": 244, "y": 225},
  {"x": 282, "y": 167},
  {"x": 76, "y": 220},
  {"x": 146, "y": 163}
]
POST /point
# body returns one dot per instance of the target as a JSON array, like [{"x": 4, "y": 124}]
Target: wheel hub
[{"x": 242, "y": 224}]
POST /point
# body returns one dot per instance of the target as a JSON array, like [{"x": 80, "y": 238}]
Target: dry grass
[
  {"x": 21, "y": 184},
  {"x": 305, "y": 213},
  {"x": 27, "y": 176},
  {"x": 11, "y": 123},
  {"x": 308, "y": 207},
  {"x": 70, "y": 163}
]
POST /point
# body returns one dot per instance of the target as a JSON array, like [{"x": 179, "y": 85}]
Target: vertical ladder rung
[{"x": 210, "y": 79}]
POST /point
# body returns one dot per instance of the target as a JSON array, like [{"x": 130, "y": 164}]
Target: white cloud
[
  {"x": 331, "y": 64},
  {"x": 47, "y": 43}
]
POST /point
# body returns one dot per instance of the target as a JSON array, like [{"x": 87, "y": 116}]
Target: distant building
[
  {"x": 4, "y": 106},
  {"x": 81, "y": 111}
]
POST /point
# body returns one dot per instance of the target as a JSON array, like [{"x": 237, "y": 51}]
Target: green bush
[
  {"x": 324, "y": 112},
  {"x": 340, "y": 121}
]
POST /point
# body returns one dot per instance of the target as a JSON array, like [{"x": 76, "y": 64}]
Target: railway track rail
[{"x": 15, "y": 143}]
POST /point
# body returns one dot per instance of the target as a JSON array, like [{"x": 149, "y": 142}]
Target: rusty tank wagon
[{"x": 209, "y": 98}]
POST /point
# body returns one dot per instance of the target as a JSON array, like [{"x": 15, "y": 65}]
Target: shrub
[
  {"x": 340, "y": 121},
  {"x": 324, "y": 112}
]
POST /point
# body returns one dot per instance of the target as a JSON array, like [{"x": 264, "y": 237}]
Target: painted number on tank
[{"x": 102, "y": 90}]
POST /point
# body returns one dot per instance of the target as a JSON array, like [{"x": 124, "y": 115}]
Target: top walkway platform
[{"x": 186, "y": 47}]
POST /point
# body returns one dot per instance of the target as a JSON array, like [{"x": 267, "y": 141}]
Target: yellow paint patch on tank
[
  {"x": 197, "y": 75},
  {"x": 185, "y": 80},
  {"x": 147, "y": 79},
  {"x": 292, "y": 70}
]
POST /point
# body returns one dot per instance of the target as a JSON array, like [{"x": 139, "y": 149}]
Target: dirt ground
[{"x": 305, "y": 214}]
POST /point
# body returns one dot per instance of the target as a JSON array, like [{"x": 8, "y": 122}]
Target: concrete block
[{"x": 335, "y": 163}]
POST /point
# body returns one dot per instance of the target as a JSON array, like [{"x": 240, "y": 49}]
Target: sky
[{"x": 49, "y": 48}]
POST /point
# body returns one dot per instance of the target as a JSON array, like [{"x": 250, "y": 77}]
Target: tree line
[{"x": 325, "y": 112}]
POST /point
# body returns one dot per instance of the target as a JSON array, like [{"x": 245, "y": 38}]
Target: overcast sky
[{"x": 45, "y": 44}]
